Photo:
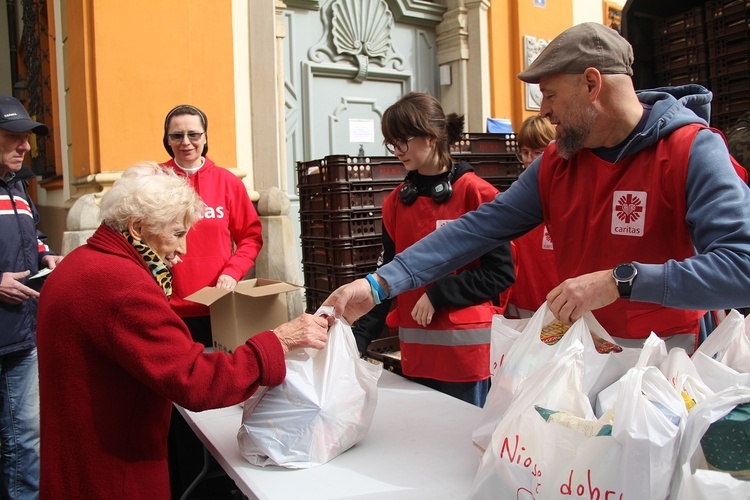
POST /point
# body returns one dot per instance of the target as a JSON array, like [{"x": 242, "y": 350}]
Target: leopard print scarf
[{"x": 161, "y": 272}]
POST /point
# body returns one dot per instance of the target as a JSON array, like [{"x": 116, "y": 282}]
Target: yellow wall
[
  {"x": 131, "y": 62},
  {"x": 509, "y": 21}
]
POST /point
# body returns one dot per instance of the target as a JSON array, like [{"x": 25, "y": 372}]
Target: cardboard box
[{"x": 255, "y": 305}]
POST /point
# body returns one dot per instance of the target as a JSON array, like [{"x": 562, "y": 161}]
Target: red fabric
[
  {"x": 112, "y": 357},
  {"x": 634, "y": 210},
  {"x": 409, "y": 224},
  {"x": 536, "y": 271},
  {"x": 229, "y": 217}
]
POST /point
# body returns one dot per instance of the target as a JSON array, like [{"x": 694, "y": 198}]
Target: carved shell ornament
[{"x": 362, "y": 28}]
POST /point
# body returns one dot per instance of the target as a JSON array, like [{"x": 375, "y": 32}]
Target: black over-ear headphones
[
  {"x": 184, "y": 109},
  {"x": 440, "y": 192}
]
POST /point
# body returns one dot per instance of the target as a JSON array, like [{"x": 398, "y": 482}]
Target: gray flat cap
[{"x": 586, "y": 45}]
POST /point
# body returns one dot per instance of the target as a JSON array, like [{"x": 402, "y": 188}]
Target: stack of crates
[
  {"x": 727, "y": 27},
  {"x": 680, "y": 49},
  {"x": 341, "y": 199},
  {"x": 708, "y": 45},
  {"x": 341, "y": 219},
  {"x": 493, "y": 157}
]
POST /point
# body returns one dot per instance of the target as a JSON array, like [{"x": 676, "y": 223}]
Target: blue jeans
[
  {"x": 471, "y": 392},
  {"x": 19, "y": 425}
]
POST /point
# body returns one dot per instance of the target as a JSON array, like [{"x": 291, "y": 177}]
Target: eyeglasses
[
  {"x": 402, "y": 146},
  {"x": 529, "y": 154},
  {"x": 177, "y": 137}
]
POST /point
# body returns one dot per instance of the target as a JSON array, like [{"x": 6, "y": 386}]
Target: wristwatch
[{"x": 624, "y": 274}]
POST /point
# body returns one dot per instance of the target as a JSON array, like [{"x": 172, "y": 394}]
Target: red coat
[
  {"x": 455, "y": 347},
  {"x": 634, "y": 210},
  {"x": 112, "y": 358}
]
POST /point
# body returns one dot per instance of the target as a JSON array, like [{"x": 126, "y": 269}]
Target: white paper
[{"x": 41, "y": 274}]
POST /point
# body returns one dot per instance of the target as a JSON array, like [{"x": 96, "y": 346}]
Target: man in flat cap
[
  {"x": 651, "y": 223},
  {"x": 22, "y": 254}
]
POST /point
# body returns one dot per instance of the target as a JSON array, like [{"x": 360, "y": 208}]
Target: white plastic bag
[
  {"x": 529, "y": 457},
  {"x": 324, "y": 406},
  {"x": 528, "y": 353},
  {"x": 693, "y": 480},
  {"x": 723, "y": 359},
  {"x": 654, "y": 352},
  {"x": 504, "y": 333},
  {"x": 729, "y": 343}
]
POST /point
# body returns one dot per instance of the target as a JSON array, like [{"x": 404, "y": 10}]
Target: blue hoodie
[{"x": 718, "y": 217}]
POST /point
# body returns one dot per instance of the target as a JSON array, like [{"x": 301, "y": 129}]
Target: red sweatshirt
[
  {"x": 229, "y": 218},
  {"x": 112, "y": 357}
]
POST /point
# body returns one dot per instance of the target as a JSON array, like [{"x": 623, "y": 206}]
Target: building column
[
  {"x": 275, "y": 261},
  {"x": 463, "y": 46}
]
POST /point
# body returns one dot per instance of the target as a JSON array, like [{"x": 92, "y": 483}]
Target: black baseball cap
[{"x": 14, "y": 117}]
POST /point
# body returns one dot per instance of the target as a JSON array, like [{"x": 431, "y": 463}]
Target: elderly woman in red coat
[{"x": 113, "y": 356}]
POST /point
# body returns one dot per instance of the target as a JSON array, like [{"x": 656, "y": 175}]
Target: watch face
[{"x": 625, "y": 272}]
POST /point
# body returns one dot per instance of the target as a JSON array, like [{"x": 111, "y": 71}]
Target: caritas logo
[{"x": 628, "y": 213}]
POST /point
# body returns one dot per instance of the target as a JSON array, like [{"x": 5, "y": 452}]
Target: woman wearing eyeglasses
[
  {"x": 230, "y": 219},
  {"x": 444, "y": 327},
  {"x": 222, "y": 246},
  {"x": 536, "y": 273}
]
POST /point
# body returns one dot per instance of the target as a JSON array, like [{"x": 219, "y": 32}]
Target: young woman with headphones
[{"x": 444, "y": 327}]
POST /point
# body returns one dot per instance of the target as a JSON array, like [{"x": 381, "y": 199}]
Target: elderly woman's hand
[{"x": 304, "y": 331}]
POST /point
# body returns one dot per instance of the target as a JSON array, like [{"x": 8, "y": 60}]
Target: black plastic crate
[
  {"x": 343, "y": 168},
  {"x": 483, "y": 143},
  {"x": 314, "y": 299},
  {"x": 495, "y": 166},
  {"x": 738, "y": 43},
  {"x": 345, "y": 196},
  {"x": 730, "y": 64},
  {"x": 733, "y": 24},
  {"x": 346, "y": 252},
  {"x": 724, "y": 121},
  {"x": 322, "y": 277},
  {"x": 730, "y": 83},
  {"x": 717, "y": 9},
  {"x": 685, "y": 20},
  {"x": 680, "y": 59},
  {"x": 692, "y": 74},
  {"x": 731, "y": 102},
  {"x": 352, "y": 224},
  {"x": 681, "y": 40}
]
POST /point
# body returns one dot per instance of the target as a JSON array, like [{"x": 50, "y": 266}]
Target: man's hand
[
  {"x": 13, "y": 291},
  {"x": 351, "y": 301},
  {"x": 573, "y": 297},
  {"x": 51, "y": 261}
]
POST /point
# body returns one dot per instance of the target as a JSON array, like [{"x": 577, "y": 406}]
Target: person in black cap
[
  {"x": 650, "y": 219},
  {"x": 23, "y": 253}
]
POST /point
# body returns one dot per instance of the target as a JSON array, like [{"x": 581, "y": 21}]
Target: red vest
[
  {"x": 455, "y": 347},
  {"x": 536, "y": 272},
  {"x": 601, "y": 214}
]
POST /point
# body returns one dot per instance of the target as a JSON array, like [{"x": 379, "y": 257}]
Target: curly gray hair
[{"x": 153, "y": 195}]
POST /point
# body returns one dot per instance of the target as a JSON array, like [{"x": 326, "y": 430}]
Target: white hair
[{"x": 153, "y": 195}]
